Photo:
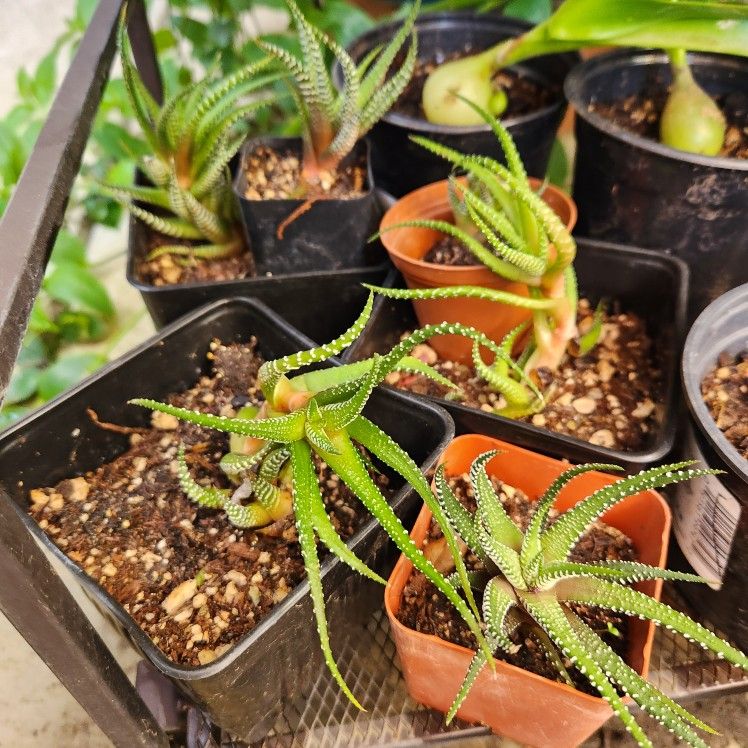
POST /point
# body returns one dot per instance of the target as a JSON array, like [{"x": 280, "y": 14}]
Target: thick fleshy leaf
[
  {"x": 282, "y": 429},
  {"x": 626, "y": 600},
  {"x": 552, "y": 618},
  {"x": 351, "y": 469},
  {"x": 559, "y": 539},
  {"x": 385, "y": 448},
  {"x": 304, "y": 484},
  {"x": 666, "y": 711}
]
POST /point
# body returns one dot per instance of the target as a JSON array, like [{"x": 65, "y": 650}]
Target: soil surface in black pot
[
  {"x": 273, "y": 175},
  {"x": 725, "y": 392},
  {"x": 524, "y": 94},
  {"x": 171, "y": 269},
  {"x": 426, "y": 609},
  {"x": 192, "y": 581},
  {"x": 606, "y": 397},
  {"x": 641, "y": 114}
]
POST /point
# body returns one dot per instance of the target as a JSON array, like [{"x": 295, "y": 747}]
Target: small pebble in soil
[{"x": 273, "y": 175}]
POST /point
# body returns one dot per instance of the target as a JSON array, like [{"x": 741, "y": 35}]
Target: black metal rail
[{"x": 32, "y": 595}]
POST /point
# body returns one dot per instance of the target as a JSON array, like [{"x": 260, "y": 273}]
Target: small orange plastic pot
[
  {"x": 407, "y": 246},
  {"x": 515, "y": 703}
]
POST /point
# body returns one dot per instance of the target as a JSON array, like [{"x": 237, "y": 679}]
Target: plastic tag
[{"x": 705, "y": 520}]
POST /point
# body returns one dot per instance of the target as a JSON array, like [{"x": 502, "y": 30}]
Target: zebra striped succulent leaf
[
  {"x": 530, "y": 575},
  {"x": 510, "y": 229},
  {"x": 192, "y": 137},
  {"x": 334, "y": 121}
]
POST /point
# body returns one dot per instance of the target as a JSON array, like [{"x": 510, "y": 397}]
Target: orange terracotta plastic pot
[
  {"x": 408, "y": 246},
  {"x": 513, "y": 702}
]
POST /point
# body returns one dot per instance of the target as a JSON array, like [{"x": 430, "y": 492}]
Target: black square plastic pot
[
  {"x": 321, "y": 304},
  {"x": 399, "y": 165},
  {"x": 281, "y": 657},
  {"x": 635, "y": 190},
  {"x": 331, "y": 235},
  {"x": 647, "y": 283}
]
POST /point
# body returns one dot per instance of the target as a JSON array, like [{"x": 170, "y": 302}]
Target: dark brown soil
[
  {"x": 426, "y": 609},
  {"x": 276, "y": 176},
  {"x": 725, "y": 392},
  {"x": 450, "y": 251},
  {"x": 607, "y": 397},
  {"x": 130, "y": 527},
  {"x": 524, "y": 94},
  {"x": 173, "y": 269},
  {"x": 641, "y": 114}
]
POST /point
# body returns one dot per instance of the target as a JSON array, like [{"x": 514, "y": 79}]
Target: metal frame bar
[{"x": 32, "y": 595}]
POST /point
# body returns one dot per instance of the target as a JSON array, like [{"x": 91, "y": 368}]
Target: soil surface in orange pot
[
  {"x": 607, "y": 397},
  {"x": 130, "y": 527},
  {"x": 425, "y": 609}
]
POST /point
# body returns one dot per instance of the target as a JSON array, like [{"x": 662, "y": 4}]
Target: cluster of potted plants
[{"x": 257, "y": 486}]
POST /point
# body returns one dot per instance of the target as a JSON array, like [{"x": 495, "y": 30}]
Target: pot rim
[
  {"x": 426, "y": 21},
  {"x": 501, "y": 664},
  {"x": 437, "y": 187},
  {"x": 585, "y": 70},
  {"x": 696, "y": 361}
]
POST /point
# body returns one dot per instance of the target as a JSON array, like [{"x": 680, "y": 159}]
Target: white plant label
[{"x": 705, "y": 520}]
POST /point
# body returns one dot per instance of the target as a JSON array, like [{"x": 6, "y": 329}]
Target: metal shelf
[{"x": 324, "y": 718}]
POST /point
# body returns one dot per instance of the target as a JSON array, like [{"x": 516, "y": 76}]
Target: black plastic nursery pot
[
  {"x": 330, "y": 235},
  {"x": 634, "y": 190},
  {"x": 644, "y": 282},
  {"x": 243, "y": 689},
  {"x": 710, "y": 517},
  {"x": 399, "y": 165},
  {"x": 331, "y": 299}
]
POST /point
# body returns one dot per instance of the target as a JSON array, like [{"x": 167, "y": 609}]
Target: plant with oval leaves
[
  {"x": 192, "y": 137},
  {"x": 334, "y": 121},
  {"x": 691, "y": 120},
  {"x": 526, "y": 578},
  {"x": 510, "y": 229},
  {"x": 320, "y": 413}
]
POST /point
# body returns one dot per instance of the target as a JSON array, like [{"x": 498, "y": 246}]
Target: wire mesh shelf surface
[{"x": 324, "y": 718}]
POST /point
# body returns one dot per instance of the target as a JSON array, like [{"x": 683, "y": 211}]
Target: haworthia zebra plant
[
  {"x": 509, "y": 228},
  {"x": 192, "y": 138},
  {"x": 320, "y": 412},
  {"x": 528, "y": 577},
  {"x": 334, "y": 121}
]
